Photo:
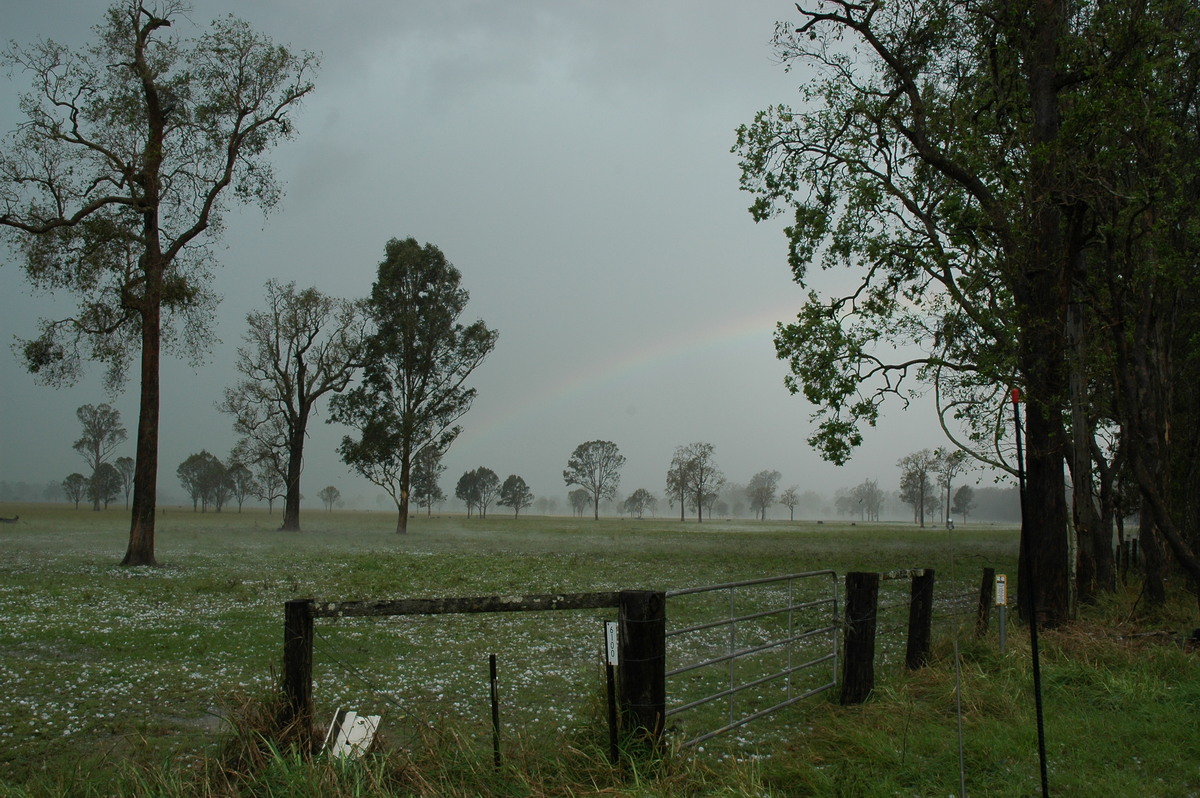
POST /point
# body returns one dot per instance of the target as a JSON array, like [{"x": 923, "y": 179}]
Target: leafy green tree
[
  {"x": 930, "y": 158},
  {"x": 964, "y": 501},
  {"x": 870, "y": 498},
  {"x": 416, "y": 363},
  {"x": 677, "y": 479},
  {"x": 487, "y": 488},
  {"x": 329, "y": 496},
  {"x": 205, "y": 479},
  {"x": 466, "y": 490},
  {"x": 789, "y": 499},
  {"x": 515, "y": 493},
  {"x": 125, "y": 468},
  {"x": 269, "y": 481},
  {"x": 102, "y": 433},
  {"x": 104, "y": 486},
  {"x": 702, "y": 478},
  {"x": 427, "y": 470},
  {"x": 302, "y": 346},
  {"x": 761, "y": 492},
  {"x": 638, "y": 502},
  {"x": 917, "y": 474},
  {"x": 579, "y": 499},
  {"x": 949, "y": 465},
  {"x": 74, "y": 487},
  {"x": 114, "y": 188},
  {"x": 241, "y": 481},
  {"x": 595, "y": 466}
]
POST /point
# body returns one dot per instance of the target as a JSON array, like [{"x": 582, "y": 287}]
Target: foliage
[
  {"x": 761, "y": 491},
  {"x": 964, "y": 501},
  {"x": 638, "y": 502},
  {"x": 515, "y": 493},
  {"x": 241, "y": 481},
  {"x": 102, "y": 433},
  {"x": 329, "y": 496},
  {"x": 487, "y": 488},
  {"x": 1014, "y": 189},
  {"x": 206, "y": 480},
  {"x": 595, "y": 466},
  {"x": 417, "y": 359},
  {"x": 917, "y": 470},
  {"x": 427, "y": 469},
  {"x": 115, "y": 187},
  {"x": 579, "y": 500},
  {"x": 864, "y": 500},
  {"x": 698, "y": 474},
  {"x": 677, "y": 479},
  {"x": 304, "y": 345},
  {"x": 477, "y": 489},
  {"x": 75, "y": 487},
  {"x": 789, "y": 499},
  {"x": 104, "y": 486},
  {"x": 125, "y": 467}
]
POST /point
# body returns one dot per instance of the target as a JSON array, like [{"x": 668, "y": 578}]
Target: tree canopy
[
  {"x": 595, "y": 466},
  {"x": 1000, "y": 178},
  {"x": 116, "y": 184},
  {"x": 515, "y": 493},
  {"x": 102, "y": 433},
  {"x": 304, "y": 345},
  {"x": 417, "y": 358}
]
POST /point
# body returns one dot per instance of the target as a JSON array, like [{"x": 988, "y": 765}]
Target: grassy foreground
[{"x": 156, "y": 681}]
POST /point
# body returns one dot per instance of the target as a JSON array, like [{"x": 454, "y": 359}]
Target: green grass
[{"x": 155, "y": 681}]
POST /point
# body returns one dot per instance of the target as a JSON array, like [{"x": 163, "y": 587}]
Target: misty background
[{"x": 572, "y": 160}]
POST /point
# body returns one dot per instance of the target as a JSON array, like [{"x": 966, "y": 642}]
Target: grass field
[{"x": 135, "y": 681}]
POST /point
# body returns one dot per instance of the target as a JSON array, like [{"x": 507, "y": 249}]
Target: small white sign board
[
  {"x": 350, "y": 734},
  {"x": 1001, "y": 590},
  {"x": 610, "y": 642}
]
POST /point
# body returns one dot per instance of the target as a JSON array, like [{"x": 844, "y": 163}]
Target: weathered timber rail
[
  {"x": 641, "y": 617},
  {"x": 449, "y": 606},
  {"x": 642, "y": 640}
]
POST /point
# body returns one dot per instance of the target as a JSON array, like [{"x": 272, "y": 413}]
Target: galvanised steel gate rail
[{"x": 787, "y": 628}]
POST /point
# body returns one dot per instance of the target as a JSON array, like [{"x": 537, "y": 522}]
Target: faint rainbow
[{"x": 755, "y": 328}]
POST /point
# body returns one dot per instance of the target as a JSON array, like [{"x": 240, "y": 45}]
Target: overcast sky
[{"x": 572, "y": 160}]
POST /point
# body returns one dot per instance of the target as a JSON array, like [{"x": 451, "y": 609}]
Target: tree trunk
[
  {"x": 402, "y": 505},
  {"x": 1093, "y": 571},
  {"x": 291, "y": 502},
  {"x": 145, "y": 474},
  {"x": 1041, "y": 298}
]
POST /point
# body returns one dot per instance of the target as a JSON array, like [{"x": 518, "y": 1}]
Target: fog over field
[{"x": 572, "y": 160}]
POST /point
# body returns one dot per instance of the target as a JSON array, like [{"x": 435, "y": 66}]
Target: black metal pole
[
  {"x": 1032, "y": 593},
  {"x": 495, "y": 712},
  {"x": 612, "y": 715}
]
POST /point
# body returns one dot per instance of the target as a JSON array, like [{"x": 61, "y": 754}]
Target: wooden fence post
[
  {"x": 987, "y": 597},
  {"x": 642, "y": 658},
  {"x": 297, "y": 715},
  {"x": 858, "y": 662},
  {"x": 920, "y": 620}
]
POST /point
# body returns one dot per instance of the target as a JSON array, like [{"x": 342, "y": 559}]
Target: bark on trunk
[
  {"x": 1042, "y": 294},
  {"x": 1093, "y": 571},
  {"x": 402, "y": 505},
  {"x": 145, "y": 475},
  {"x": 291, "y": 502}
]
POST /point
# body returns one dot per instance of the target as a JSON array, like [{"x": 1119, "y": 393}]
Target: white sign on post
[
  {"x": 610, "y": 641},
  {"x": 1001, "y": 590}
]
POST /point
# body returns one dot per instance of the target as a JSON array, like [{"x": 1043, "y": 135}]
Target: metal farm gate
[{"x": 749, "y": 649}]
